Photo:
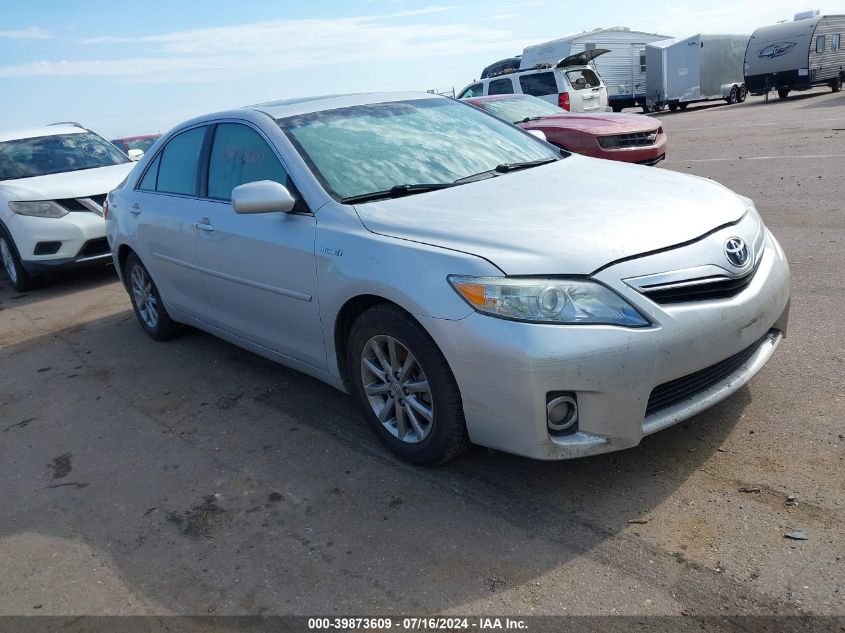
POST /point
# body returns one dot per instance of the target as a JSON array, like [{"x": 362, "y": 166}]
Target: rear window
[
  {"x": 500, "y": 87},
  {"x": 475, "y": 90},
  {"x": 583, "y": 79},
  {"x": 539, "y": 84}
]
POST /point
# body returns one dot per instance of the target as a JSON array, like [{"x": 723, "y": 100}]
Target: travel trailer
[
  {"x": 622, "y": 68},
  {"x": 797, "y": 55},
  {"x": 701, "y": 67}
]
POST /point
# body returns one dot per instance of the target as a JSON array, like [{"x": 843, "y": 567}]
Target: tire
[
  {"x": 147, "y": 303},
  {"x": 783, "y": 93},
  {"x": 683, "y": 106},
  {"x": 18, "y": 276},
  {"x": 616, "y": 108},
  {"x": 673, "y": 107},
  {"x": 743, "y": 93},
  {"x": 429, "y": 386},
  {"x": 836, "y": 84},
  {"x": 733, "y": 97}
]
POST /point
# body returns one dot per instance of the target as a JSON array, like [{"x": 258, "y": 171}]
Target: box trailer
[
  {"x": 623, "y": 68},
  {"x": 701, "y": 67},
  {"x": 797, "y": 55}
]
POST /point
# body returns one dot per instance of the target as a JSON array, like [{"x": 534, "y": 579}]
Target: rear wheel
[
  {"x": 783, "y": 93},
  {"x": 616, "y": 108},
  {"x": 683, "y": 106},
  {"x": 405, "y": 386},
  {"x": 673, "y": 107},
  {"x": 147, "y": 303},
  {"x": 20, "y": 279},
  {"x": 733, "y": 97},
  {"x": 836, "y": 84},
  {"x": 743, "y": 93}
]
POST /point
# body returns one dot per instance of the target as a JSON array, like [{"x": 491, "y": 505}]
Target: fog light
[{"x": 562, "y": 414}]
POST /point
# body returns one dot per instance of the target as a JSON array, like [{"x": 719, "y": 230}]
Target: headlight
[
  {"x": 539, "y": 300},
  {"x": 39, "y": 209}
]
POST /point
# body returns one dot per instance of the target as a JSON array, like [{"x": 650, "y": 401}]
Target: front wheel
[
  {"x": 673, "y": 107},
  {"x": 783, "y": 93},
  {"x": 733, "y": 97},
  {"x": 147, "y": 303},
  {"x": 836, "y": 84},
  {"x": 405, "y": 386},
  {"x": 21, "y": 280}
]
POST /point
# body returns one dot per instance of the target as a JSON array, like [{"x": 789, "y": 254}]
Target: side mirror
[
  {"x": 135, "y": 154},
  {"x": 263, "y": 196},
  {"x": 538, "y": 133}
]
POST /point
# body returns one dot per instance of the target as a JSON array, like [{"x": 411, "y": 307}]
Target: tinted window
[
  {"x": 148, "y": 182},
  {"x": 539, "y": 84},
  {"x": 240, "y": 155},
  {"x": 583, "y": 79},
  {"x": 836, "y": 41},
  {"x": 372, "y": 148},
  {"x": 820, "y": 43},
  {"x": 120, "y": 145},
  {"x": 177, "y": 172},
  {"x": 57, "y": 153},
  {"x": 642, "y": 62},
  {"x": 500, "y": 87},
  {"x": 475, "y": 90}
]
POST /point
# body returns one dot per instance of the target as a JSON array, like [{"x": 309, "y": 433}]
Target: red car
[
  {"x": 142, "y": 143},
  {"x": 632, "y": 138}
]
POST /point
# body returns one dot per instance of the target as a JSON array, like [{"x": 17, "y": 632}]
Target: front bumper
[
  {"x": 81, "y": 236},
  {"x": 506, "y": 369},
  {"x": 649, "y": 155}
]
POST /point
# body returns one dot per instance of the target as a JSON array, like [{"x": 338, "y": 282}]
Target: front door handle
[
  {"x": 135, "y": 209},
  {"x": 203, "y": 225}
]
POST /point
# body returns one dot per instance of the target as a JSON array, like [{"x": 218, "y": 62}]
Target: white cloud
[
  {"x": 212, "y": 54},
  {"x": 29, "y": 33}
]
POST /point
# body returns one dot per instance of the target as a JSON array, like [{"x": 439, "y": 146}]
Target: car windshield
[
  {"x": 517, "y": 109},
  {"x": 364, "y": 149},
  {"x": 44, "y": 155}
]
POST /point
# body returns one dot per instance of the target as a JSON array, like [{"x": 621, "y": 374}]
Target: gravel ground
[{"x": 195, "y": 478}]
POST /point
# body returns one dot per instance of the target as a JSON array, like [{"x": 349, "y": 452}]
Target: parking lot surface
[{"x": 192, "y": 477}]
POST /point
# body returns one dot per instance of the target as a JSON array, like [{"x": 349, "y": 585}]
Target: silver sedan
[{"x": 463, "y": 279}]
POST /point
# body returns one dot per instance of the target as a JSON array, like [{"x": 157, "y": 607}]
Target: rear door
[
  {"x": 258, "y": 270},
  {"x": 587, "y": 92},
  {"x": 162, "y": 210}
]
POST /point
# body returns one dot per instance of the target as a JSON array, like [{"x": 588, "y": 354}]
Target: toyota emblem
[{"x": 736, "y": 250}]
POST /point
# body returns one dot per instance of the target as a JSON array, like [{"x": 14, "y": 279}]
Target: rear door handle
[
  {"x": 203, "y": 225},
  {"x": 135, "y": 209}
]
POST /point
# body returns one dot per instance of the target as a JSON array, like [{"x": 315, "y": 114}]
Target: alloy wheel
[
  {"x": 397, "y": 389},
  {"x": 8, "y": 260},
  {"x": 145, "y": 299}
]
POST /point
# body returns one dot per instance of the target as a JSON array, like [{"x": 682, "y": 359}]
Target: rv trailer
[
  {"x": 796, "y": 55},
  {"x": 701, "y": 67},
  {"x": 623, "y": 68}
]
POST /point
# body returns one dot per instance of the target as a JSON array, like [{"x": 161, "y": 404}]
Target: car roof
[
  {"x": 42, "y": 130},
  {"x": 306, "y": 105},
  {"x": 142, "y": 137},
  {"x": 488, "y": 98}
]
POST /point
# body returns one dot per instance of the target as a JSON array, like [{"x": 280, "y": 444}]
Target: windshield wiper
[
  {"x": 528, "y": 119},
  {"x": 506, "y": 167},
  {"x": 397, "y": 192}
]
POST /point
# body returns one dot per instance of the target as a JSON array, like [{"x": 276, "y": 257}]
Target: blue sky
[{"x": 134, "y": 67}]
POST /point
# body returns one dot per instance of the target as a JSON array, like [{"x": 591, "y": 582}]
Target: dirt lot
[{"x": 195, "y": 478}]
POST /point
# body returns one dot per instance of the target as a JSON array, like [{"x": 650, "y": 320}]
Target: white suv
[
  {"x": 53, "y": 181},
  {"x": 571, "y": 84}
]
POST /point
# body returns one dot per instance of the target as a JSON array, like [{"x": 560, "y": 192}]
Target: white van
[{"x": 571, "y": 84}]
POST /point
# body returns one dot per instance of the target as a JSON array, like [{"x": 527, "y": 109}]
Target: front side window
[
  {"x": 150, "y": 179},
  {"x": 538, "y": 84},
  {"x": 240, "y": 155},
  {"x": 500, "y": 87},
  {"x": 820, "y": 44},
  {"x": 475, "y": 90},
  {"x": 520, "y": 108},
  {"x": 56, "y": 154},
  {"x": 179, "y": 165},
  {"x": 365, "y": 149},
  {"x": 835, "y": 40},
  {"x": 583, "y": 79}
]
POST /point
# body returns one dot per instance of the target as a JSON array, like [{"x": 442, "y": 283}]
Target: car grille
[
  {"x": 92, "y": 248},
  {"x": 699, "y": 289},
  {"x": 78, "y": 204},
  {"x": 675, "y": 391},
  {"x": 622, "y": 141}
]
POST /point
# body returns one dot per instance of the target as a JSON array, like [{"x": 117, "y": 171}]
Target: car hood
[
  {"x": 69, "y": 184},
  {"x": 569, "y": 217},
  {"x": 605, "y": 123}
]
